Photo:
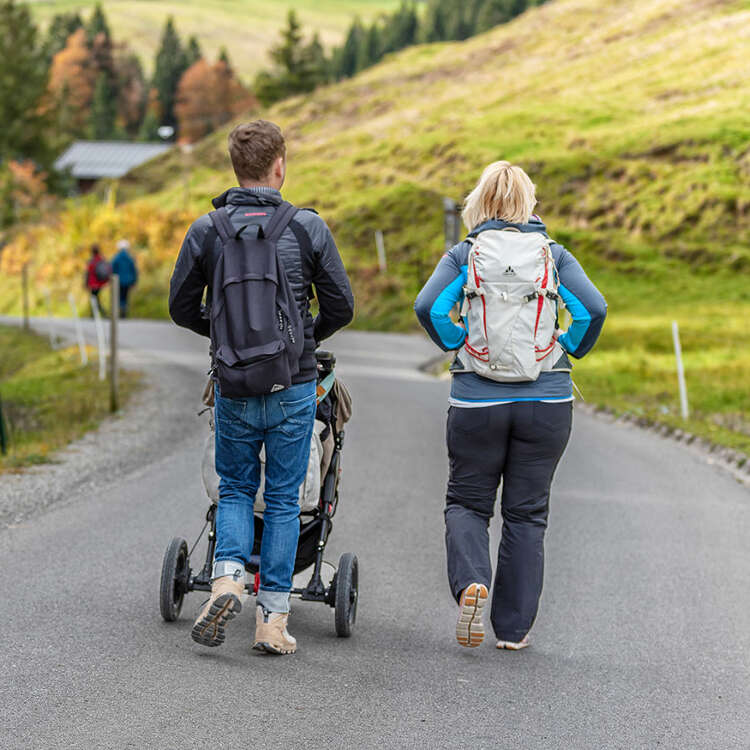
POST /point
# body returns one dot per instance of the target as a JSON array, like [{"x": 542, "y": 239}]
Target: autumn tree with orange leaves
[
  {"x": 71, "y": 83},
  {"x": 207, "y": 97}
]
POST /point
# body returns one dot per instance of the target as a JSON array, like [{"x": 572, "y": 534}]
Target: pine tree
[
  {"x": 131, "y": 90},
  {"x": 103, "y": 110},
  {"x": 313, "y": 65},
  {"x": 149, "y": 130},
  {"x": 473, "y": 8},
  {"x": 268, "y": 87},
  {"x": 495, "y": 12},
  {"x": 193, "y": 53},
  {"x": 97, "y": 24},
  {"x": 459, "y": 23},
  {"x": 401, "y": 28},
  {"x": 103, "y": 117},
  {"x": 371, "y": 50},
  {"x": 436, "y": 20},
  {"x": 298, "y": 67},
  {"x": 171, "y": 63},
  {"x": 286, "y": 54},
  {"x": 23, "y": 85},
  {"x": 347, "y": 57}
]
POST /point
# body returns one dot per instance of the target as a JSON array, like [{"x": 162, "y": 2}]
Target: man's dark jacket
[{"x": 307, "y": 251}]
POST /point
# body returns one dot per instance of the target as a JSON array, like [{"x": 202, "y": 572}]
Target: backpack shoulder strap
[
  {"x": 222, "y": 222},
  {"x": 283, "y": 214}
]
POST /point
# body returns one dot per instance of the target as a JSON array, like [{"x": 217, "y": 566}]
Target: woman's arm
[
  {"x": 440, "y": 295},
  {"x": 584, "y": 302}
]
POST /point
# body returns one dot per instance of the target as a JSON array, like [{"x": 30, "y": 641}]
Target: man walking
[
  {"x": 261, "y": 259},
  {"x": 123, "y": 264}
]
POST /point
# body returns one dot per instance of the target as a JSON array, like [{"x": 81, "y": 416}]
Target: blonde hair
[{"x": 505, "y": 192}]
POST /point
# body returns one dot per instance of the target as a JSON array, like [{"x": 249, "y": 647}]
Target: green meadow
[
  {"x": 632, "y": 118},
  {"x": 246, "y": 29}
]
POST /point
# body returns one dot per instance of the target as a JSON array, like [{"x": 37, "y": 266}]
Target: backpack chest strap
[{"x": 541, "y": 293}]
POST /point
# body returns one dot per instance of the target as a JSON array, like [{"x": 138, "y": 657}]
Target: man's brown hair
[{"x": 254, "y": 147}]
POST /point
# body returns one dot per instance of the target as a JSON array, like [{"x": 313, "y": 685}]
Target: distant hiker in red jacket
[{"x": 97, "y": 275}]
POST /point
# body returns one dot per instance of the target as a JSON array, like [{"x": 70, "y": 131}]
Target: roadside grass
[
  {"x": 633, "y": 369},
  {"x": 48, "y": 398},
  {"x": 247, "y": 29}
]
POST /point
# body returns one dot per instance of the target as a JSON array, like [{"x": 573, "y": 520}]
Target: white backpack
[{"x": 510, "y": 304}]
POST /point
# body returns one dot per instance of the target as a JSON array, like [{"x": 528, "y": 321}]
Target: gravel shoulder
[{"x": 156, "y": 421}]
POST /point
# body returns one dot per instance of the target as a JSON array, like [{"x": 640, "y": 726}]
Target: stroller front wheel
[
  {"x": 347, "y": 594},
  {"x": 175, "y": 573}
]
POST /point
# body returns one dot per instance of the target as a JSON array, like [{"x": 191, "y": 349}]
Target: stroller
[{"x": 318, "y": 503}]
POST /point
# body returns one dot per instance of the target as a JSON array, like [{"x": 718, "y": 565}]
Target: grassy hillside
[
  {"x": 246, "y": 28},
  {"x": 632, "y": 119}
]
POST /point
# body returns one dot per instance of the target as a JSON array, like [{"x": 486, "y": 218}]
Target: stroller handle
[{"x": 326, "y": 361}]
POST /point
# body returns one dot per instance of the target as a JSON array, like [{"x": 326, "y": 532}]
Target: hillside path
[{"x": 642, "y": 639}]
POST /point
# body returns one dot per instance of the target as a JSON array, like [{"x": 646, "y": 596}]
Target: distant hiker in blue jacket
[
  {"x": 511, "y": 397},
  {"x": 123, "y": 264}
]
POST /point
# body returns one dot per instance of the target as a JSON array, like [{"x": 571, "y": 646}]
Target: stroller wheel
[
  {"x": 347, "y": 593},
  {"x": 175, "y": 574}
]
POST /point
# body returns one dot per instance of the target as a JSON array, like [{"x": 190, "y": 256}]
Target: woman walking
[{"x": 511, "y": 396}]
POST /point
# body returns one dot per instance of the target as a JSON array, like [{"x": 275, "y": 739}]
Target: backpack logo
[{"x": 509, "y": 271}]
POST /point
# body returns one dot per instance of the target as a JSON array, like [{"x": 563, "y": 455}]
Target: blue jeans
[{"x": 284, "y": 422}]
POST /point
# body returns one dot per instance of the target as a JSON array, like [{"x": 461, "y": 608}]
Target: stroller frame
[{"x": 342, "y": 594}]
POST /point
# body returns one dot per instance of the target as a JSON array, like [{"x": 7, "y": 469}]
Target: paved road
[{"x": 643, "y": 638}]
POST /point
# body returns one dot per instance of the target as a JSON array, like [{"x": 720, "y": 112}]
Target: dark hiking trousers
[
  {"x": 124, "y": 292},
  {"x": 520, "y": 443}
]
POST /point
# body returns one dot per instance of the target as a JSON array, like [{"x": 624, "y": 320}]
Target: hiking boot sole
[
  {"x": 209, "y": 630},
  {"x": 470, "y": 628},
  {"x": 270, "y": 648}
]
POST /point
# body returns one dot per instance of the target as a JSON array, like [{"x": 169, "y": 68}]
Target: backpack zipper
[{"x": 284, "y": 322}]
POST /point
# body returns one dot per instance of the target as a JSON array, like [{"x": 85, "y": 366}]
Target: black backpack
[
  {"x": 103, "y": 270},
  {"x": 257, "y": 331}
]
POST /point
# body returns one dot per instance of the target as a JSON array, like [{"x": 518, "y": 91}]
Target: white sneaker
[
  {"x": 470, "y": 628},
  {"x": 515, "y": 646}
]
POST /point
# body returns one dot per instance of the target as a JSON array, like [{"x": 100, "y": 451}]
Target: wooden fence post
[
  {"x": 3, "y": 435},
  {"x": 451, "y": 223},
  {"x": 100, "y": 343},
  {"x": 25, "y": 291},
  {"x": 380, "y": 246}
]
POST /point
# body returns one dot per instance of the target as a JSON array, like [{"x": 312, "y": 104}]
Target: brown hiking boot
[
  {"x": 223, "y": 604},
  {"x": 271, "y": 634},
  {"x": 470, "y": 628}
]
